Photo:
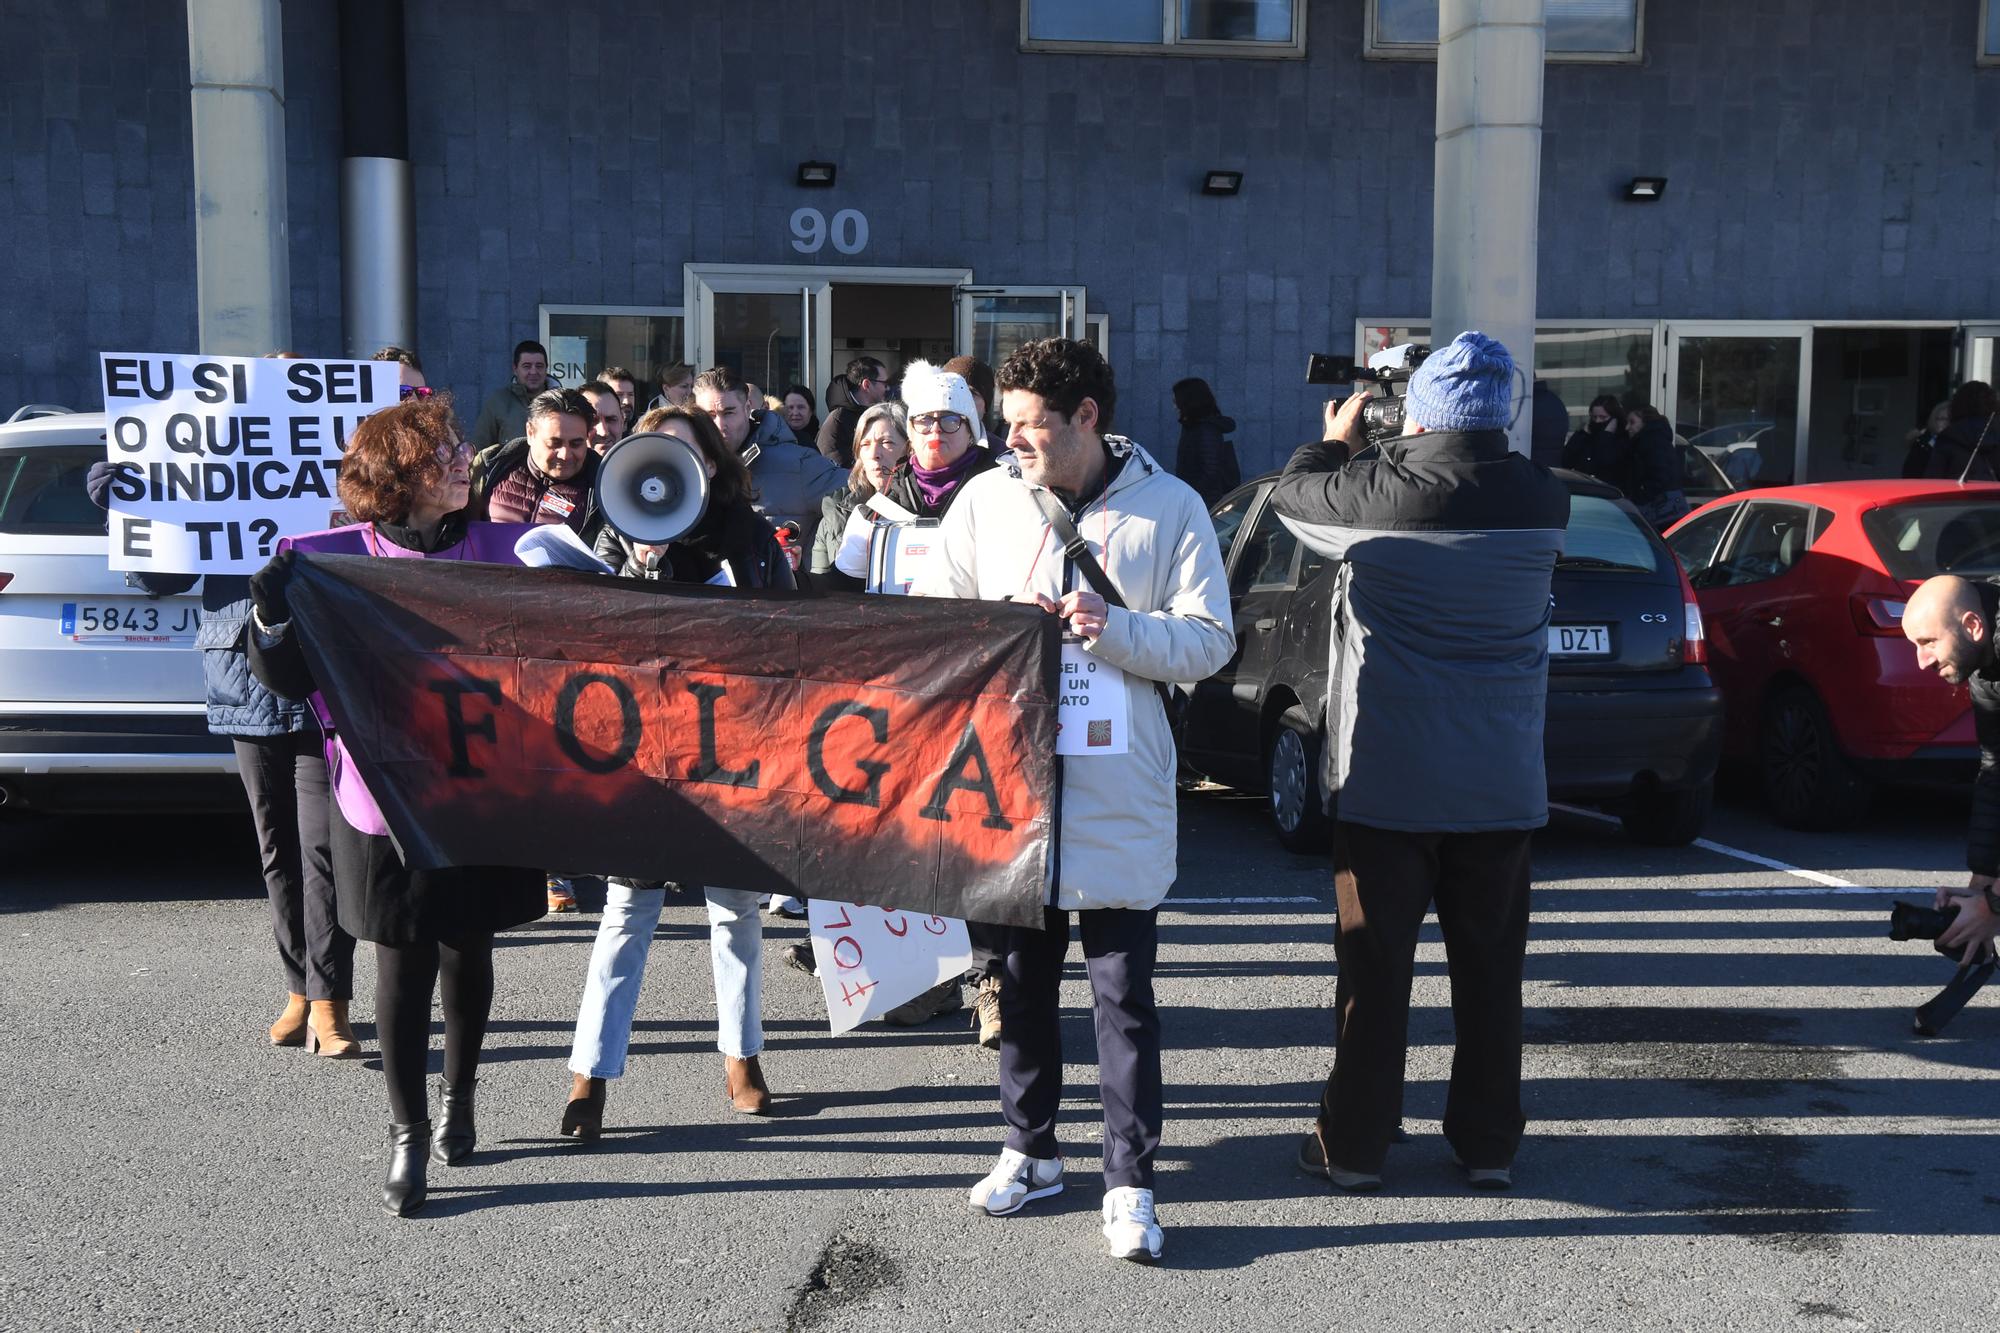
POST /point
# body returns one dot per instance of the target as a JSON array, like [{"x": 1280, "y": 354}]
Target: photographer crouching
[
  {"x": 1950, "y": 620},
  {"x": 1439, "y": 686}
]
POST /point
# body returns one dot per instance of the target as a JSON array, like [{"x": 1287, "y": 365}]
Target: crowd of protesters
[{"x": 814, "y": 493}]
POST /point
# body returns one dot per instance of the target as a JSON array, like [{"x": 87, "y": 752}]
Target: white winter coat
[{"x": 1116, "y": 836}]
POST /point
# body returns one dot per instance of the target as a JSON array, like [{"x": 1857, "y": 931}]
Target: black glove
[
  {"x": 267, "y": 589},
  {"x": 98, "y": 482}
]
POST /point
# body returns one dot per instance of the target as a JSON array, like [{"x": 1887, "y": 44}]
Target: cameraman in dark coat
[
  {"x": 1434, "y": 720},
  {"x": 1950, "y": 620}
]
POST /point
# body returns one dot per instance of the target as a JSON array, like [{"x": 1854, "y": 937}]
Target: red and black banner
[{"x": 898, "y": 751}]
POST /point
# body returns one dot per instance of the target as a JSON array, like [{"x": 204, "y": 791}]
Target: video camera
[
  {"x": 1382, "y": 418},
  {"x": 1913, "y": 921}
]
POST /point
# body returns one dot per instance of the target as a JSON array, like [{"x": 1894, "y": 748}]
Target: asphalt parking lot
[{"x": 1732, "y": 1124}]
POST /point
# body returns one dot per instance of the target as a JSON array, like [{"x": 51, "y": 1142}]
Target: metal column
[
  {"x": 378, "y": 229},
  {"x": 1488, "y": 178},
  {"x": 236, "y": 84}
]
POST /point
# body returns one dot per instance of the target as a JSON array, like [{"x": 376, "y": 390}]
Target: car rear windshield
[
  {"x": 1603, "y": 536},
  {"x": 1918, "y": 540},
  {"x": 41, "y": 491}
]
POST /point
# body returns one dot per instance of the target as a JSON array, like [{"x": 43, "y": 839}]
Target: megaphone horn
[{"x": 652, "y": 488}]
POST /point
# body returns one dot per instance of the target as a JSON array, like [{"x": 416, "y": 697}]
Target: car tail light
[
  {"x": 1694, "y": 639},
  {"x": 5, "y": 579},
  {"x": 1879, "y": 616}
]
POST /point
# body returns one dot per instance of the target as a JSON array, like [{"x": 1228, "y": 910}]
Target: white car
[{"x": 100, "y": 683}]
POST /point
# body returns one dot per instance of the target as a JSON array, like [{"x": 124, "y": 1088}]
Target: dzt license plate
[
  {"x": 128, "y": 620},
  {"x": 1579, "y": 641}
]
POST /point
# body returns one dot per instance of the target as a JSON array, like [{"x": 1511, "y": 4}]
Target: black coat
[
  {"x": 377, "y": 897},
  {"x": 1982, "y": 852},
  {"x": 1206, "y": 459},
  {"x": 1955, "y": 447},
  {"x": 736, "y": 533},
  {"x": 1653, "y": 470},
  {"x": 1601, "y": 452}
]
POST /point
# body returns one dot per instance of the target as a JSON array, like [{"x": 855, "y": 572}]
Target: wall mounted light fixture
[
  {"x": 1222, "y": 182},
  {"x": 1646, "y": 189},
  {"x": 816, "y": 175}
]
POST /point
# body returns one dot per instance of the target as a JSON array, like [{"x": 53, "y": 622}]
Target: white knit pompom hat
[{"x": 928, "y": 389}]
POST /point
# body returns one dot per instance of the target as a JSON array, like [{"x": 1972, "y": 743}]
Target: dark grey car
[{"x": 1634, "y": 722}]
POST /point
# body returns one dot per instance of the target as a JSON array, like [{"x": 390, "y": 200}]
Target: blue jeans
[{"x": 618, "y": 965}]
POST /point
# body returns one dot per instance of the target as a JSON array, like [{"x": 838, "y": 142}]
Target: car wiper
[{"x": 1593, "y": 562}]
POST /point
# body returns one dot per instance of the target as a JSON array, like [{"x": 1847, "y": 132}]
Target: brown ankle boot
[
  {"x": 328, "y": 1033},
  {"x": 745, "y": 1087},
  {"x": 290, "y": 1029}
]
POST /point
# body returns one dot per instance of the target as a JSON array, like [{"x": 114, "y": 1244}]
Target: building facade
[{"x": 624, "y": 178}]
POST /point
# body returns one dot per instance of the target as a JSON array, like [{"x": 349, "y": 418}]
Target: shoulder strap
[
  {"x": 1093, "y": 573},
  {"x": 1075, "y": 547}
]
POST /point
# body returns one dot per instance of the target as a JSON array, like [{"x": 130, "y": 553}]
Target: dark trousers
[
  {"x": 1118, "y": 952},
  {"x": 285, "y": 777},
  {"x": 462, "y": 972},
  {"x": 989, "y": 950},
  {"x": 1384, "y": 881}
]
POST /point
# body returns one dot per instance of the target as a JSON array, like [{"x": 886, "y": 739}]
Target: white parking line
[
  {"x": 1832, "y": 884},
  {"x": 1241, "y": 902}
]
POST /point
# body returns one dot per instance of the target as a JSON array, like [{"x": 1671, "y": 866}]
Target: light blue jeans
[{"x": 618, "y": 965}]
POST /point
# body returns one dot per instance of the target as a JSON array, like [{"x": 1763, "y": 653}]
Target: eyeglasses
[
  {"x": 944, "y": 423},
  {"x": 448, "y": 454},
  {"x": 414, "y": 391}
]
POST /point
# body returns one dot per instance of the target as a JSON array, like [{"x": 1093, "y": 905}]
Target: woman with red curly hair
[{"x": 405, "y": 478}]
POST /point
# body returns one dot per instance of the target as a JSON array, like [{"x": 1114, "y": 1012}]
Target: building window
[
  {"x": 1578, "y": 30},
  {"x": 583, "y": 340},
  {"x": 1580, "y": 361},
  {"x": 1989, "y": 32},
  {"x": 1266, "y": 29}
]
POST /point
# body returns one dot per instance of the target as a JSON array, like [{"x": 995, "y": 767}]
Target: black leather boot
[
  {"x": 455, "y": 1134},
  {"x": 403, "y": 1191}
]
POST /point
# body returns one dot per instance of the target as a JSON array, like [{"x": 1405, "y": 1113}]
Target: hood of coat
[{"x": 1120, "y": 447}]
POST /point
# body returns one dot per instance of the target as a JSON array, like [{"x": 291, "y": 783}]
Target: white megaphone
[{"x": 652, "y": 488}]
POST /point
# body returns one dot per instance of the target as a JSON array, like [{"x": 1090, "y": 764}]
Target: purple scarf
[{"x": 933, "y": 486}]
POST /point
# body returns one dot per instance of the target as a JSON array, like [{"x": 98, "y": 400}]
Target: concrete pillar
[
  {"x": 243, "y": 272},
  {"x": 1488, "y": 178},
  {"x": 378, "y": 227}
]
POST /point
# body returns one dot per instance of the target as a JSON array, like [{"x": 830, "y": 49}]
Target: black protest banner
[{"x": 896, "y": 751}]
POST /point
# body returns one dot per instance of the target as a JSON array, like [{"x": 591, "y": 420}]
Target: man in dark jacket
[
  {"x": 867, "y": 385},
  {"x": 1434, "y": 743},
  {"x": 1550, "y": 426},
  {"x": 1950, "y": 620},
  {"x": 549, "y": 474}
]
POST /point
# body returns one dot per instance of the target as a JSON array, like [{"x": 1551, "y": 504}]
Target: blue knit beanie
[{"x": 1468, "y": 385}]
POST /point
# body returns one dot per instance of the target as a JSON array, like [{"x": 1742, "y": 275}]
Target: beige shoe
[
  {"x": 744, "y": 1087},
  {"x": 328, "y": 1032},
  {"x": 986, "y": 1009},
  {"x": 290, "y": 1029}
]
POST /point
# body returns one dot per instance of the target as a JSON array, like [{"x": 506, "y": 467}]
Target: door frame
[
  {"x": 1073, "y": 295},
  {"x": 1971, "y": 367},
  {"x": 701, "y": 282},
  {"x": 1672, "y": 331}
]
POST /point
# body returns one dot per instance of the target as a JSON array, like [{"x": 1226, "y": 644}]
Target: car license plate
[
  {"x": 128, "y": 620},
  {"x": 1579, "y": 641}
]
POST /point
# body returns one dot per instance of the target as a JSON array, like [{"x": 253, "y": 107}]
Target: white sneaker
[
  {"x": 1129, "y": 1227},
  {"x": 1016, "y": 1179},
  {"x": 790, "y": 908}
]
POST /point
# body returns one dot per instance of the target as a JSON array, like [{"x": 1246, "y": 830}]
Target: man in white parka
[{"x": 1115, "y": 843}]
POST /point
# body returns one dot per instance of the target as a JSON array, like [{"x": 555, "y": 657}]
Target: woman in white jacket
[{"x": 1115, "y": 854}]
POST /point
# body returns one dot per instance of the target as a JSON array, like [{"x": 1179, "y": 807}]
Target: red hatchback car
[{"x": 1802, "y": 590}]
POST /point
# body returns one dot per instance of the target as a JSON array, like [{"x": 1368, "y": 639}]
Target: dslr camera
[
  {"x": 1913, "y": 921},
  {"x": 1382, "y": 418}
]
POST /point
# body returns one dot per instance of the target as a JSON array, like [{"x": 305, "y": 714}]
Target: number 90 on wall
[{"x": 811, "y": 232}]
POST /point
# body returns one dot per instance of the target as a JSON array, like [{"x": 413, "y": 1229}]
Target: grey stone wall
[{"x": 1822, "y": 164}]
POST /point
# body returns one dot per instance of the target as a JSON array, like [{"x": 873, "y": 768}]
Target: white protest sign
[
  {"x": 219, "y": 456},
  {"x": 872, "y": 959},
  {"x": 1093, "y": 707}
]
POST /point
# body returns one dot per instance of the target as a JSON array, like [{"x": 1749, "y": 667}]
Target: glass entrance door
[
  {"x": 1736, "y": 392},
  {"x": 1977, "y": 354},
  {"x": 993, "y": 321},
  {"x": 768, "y": 329}
]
